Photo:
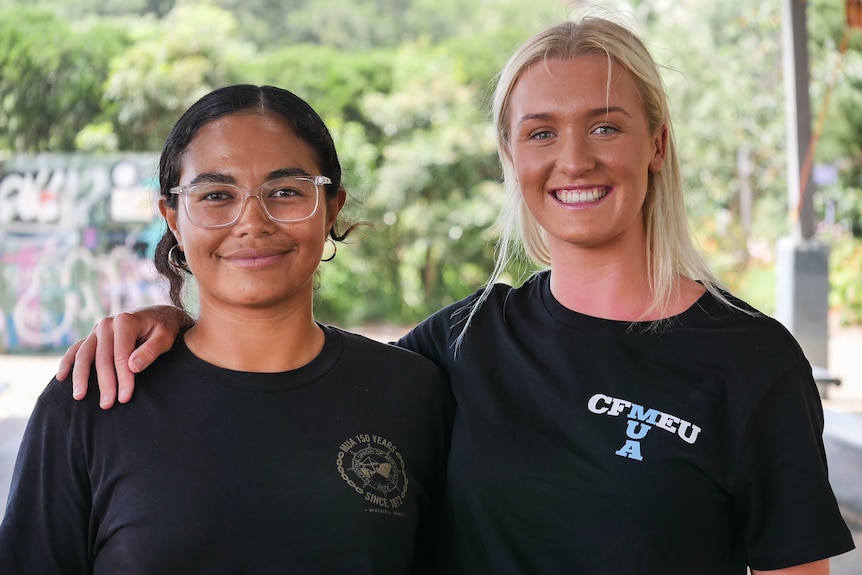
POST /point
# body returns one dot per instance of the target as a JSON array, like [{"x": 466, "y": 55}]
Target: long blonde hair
[{"x": 670, "y": 249}]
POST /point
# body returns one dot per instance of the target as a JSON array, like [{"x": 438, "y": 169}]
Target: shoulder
[
  {"x": 440, "y": 335},
  {"x": 490, "y": 303},
  {"x": 388, "y": 370},
  {"x": 55, "y": 409},
  {"x": 743, "y": 319},
  {"x": 378, "y": 355},
  {"x": 57, "y": 396},
  {"x": 758, "y": 349}
]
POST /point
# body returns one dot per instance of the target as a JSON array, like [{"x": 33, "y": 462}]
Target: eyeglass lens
[{"x": 213, "y": 204}]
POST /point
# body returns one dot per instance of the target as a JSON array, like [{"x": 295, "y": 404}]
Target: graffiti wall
[{"x": 77, "y": 234}]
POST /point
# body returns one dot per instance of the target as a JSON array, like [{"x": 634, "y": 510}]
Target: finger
[
  {"x": 127, "y": 328},
  {"x": 104, "y": 361},
  {"x": 160, "y": 327},
  {"x": 68, "y": 360},
  {"x": 158, "y": 342},
  {"x": 83, "y": 360}
]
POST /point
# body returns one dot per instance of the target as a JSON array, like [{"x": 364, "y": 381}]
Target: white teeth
[{"x": 583, "y": 196}]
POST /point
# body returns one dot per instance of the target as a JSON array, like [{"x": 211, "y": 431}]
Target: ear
[
  {"x": 656, "y": 163},
  {"x": 170, "y": 215},
  {"x": 333, "y": 208}
]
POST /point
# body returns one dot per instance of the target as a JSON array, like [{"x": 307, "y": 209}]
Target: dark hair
[{"x": 306, "y": 123}]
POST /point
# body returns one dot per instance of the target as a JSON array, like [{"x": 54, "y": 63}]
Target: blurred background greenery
[{"x": 404, "y": 86}]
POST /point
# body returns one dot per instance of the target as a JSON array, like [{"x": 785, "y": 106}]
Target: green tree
[
  {"x": 355, "y": 26},
  {"x": 51, "y": 79},
  {"x": 172, "y": 63},
  {"x": 334, "y": 81},
  {"x": 404, "y": 85},
  {"x": 837, "y": 105},
  {"x": 729, "y": 100},
  {"x": 82, "y": 9},
  {"x": 431, "y": 196}
]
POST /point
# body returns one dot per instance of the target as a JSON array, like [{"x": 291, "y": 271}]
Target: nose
[
  {"x": 576, "y": 154},
  {"x": 254, "y": 218}
]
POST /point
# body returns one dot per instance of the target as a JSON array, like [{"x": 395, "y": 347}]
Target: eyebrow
[
  {"x": 595, "y": 112},
  {"x": 286, "y": 173},
  {"x": 220, "y": 178}
]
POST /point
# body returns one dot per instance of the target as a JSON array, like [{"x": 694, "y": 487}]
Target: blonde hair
[{"x": 670, "y": 249}]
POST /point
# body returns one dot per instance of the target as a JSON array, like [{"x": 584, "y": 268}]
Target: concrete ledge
[{"x": 842, "y": 437}]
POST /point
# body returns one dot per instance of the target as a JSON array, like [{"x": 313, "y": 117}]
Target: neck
[
  {"x": 612, "y": 283},
  {"x": 259, "y": 341},
  {"x": 599, "y": 286}
]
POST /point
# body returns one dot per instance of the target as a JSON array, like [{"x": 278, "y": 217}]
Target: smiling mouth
[
  {"x": 254, "y": 258},
  {"x": 581, "y": 196}
]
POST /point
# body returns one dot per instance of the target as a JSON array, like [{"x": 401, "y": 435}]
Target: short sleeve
[
  {"x": 783, "y": 460},
  {"x": 45, "y": 526}
]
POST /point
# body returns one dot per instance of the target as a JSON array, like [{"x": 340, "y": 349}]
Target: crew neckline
[
  {"x": 313, "y": 371},
  {"x": 579, "y": 320}
]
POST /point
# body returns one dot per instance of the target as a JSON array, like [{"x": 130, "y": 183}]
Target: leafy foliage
[
  {"x": 172, "y": 63},
  {"x": 404, "y": 86},
  {"x": 729, "y": 99},
  {"x": 335, "y": 81},
  {"x": 432, "y": 193},
  {"x": 50, "y": 90},
  {"x": 845, "y": 289}
]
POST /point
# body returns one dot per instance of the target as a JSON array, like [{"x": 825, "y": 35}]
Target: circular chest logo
[{"x": 374, "y": 468}]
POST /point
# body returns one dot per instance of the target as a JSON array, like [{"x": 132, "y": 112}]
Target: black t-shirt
[
  {"x": 336, "y": 467},
  {"x": 590, "y": 446}
]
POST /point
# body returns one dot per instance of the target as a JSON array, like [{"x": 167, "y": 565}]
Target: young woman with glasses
[
  {"x": 619, "y": 412},
  {"x": 263, "y": 441}
]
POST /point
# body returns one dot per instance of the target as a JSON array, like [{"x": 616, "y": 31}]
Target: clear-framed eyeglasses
[{"x": 219, "y": 205}]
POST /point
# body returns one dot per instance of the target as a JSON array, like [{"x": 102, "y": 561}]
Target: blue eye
[
  {"x": 541, "y": 135},
  {"x": 606, "y": 130}
]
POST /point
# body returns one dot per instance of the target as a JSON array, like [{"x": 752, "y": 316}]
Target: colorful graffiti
[{"x": 77, "y": 234}]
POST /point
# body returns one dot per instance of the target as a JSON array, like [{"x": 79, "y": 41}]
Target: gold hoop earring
[
  {"x": 177, "y": 261},
  {"x": 334, "y": 250}
]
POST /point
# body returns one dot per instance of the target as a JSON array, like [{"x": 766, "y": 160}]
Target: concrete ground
[{"x": 22, "y": 378}]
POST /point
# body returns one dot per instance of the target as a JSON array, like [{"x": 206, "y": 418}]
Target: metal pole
[
  {"x": 802, "y": 266},
  {"x": 798, "y": 112}
]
